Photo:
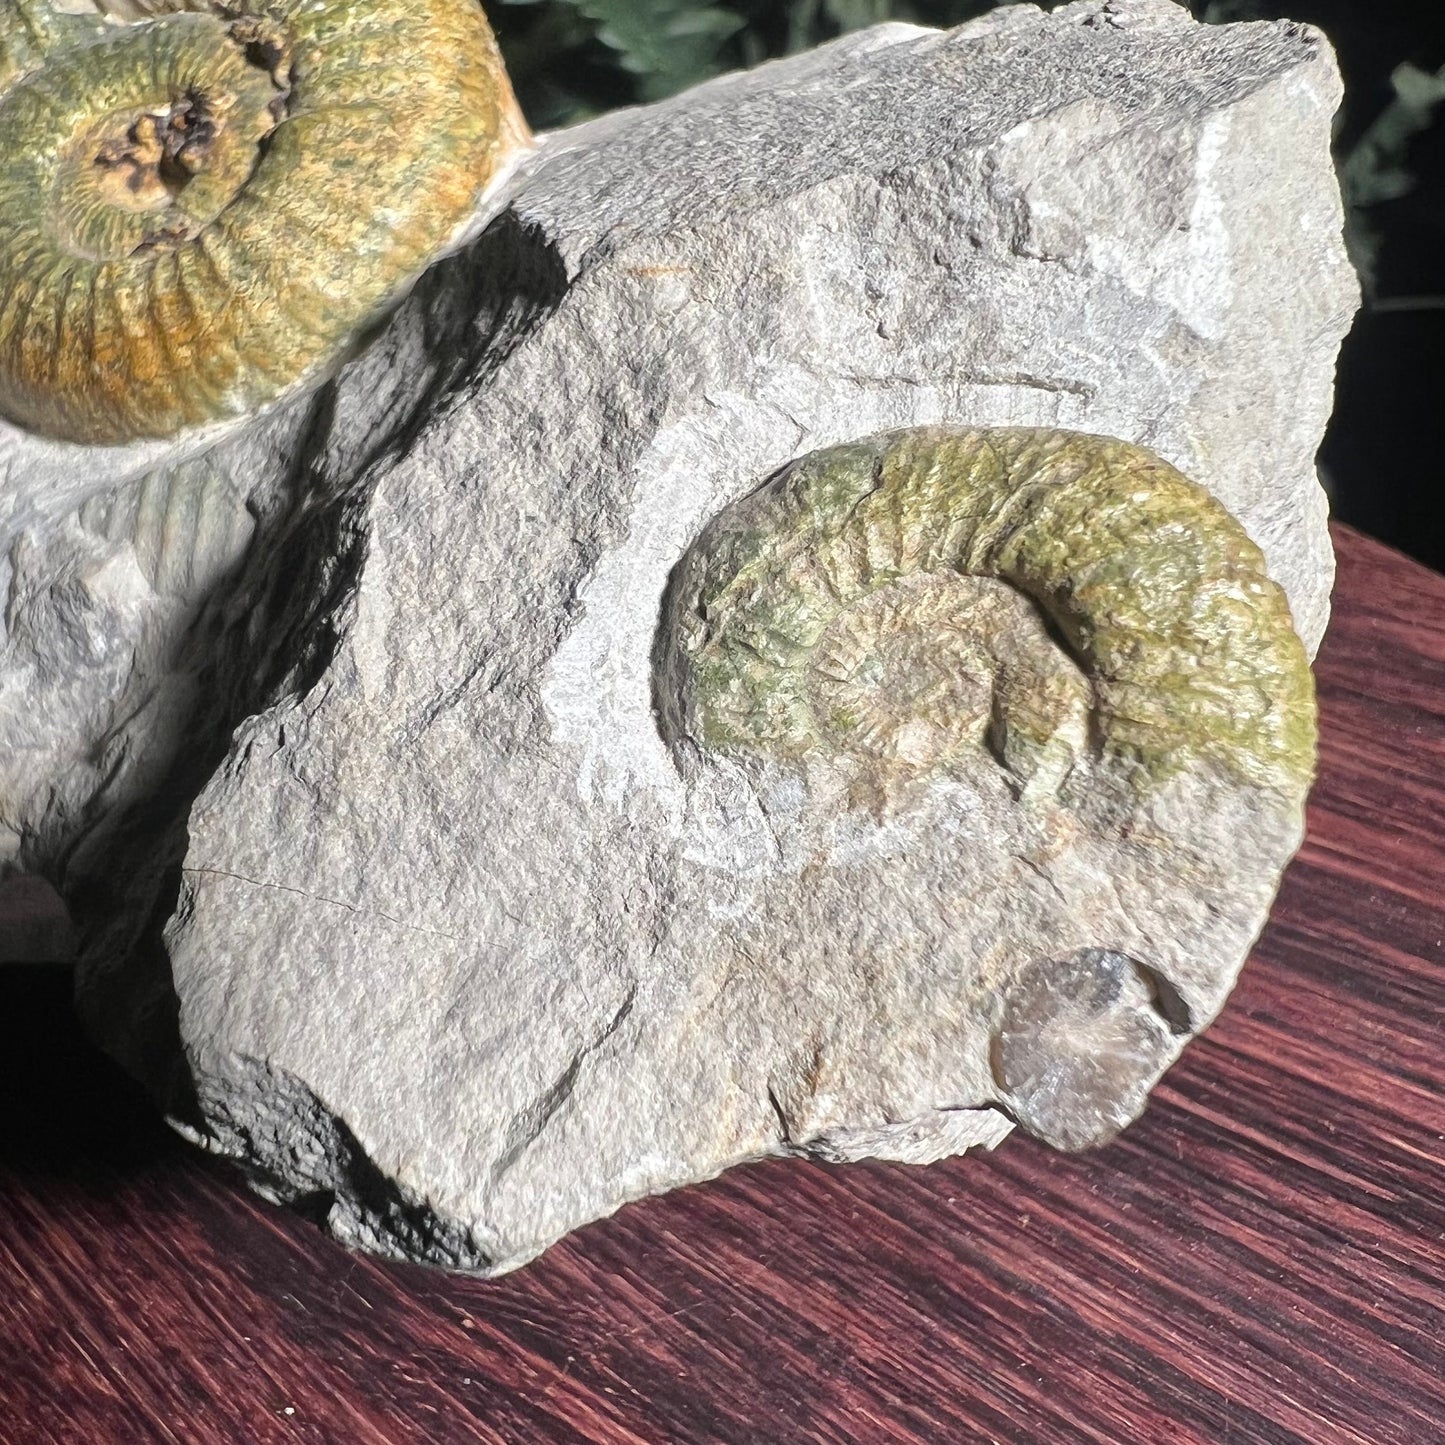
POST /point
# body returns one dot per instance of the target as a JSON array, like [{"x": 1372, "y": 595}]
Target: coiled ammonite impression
[
  {"x": 925, "y": 598},
  {"x": 203, "y": 201}
]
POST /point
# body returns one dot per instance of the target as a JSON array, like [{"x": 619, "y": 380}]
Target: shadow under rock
[{"x": 65, "y": 1108}]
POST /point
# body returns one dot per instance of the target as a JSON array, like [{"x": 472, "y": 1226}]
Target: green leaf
[
  {"x": 1374, "y": 169},
  {"x": 669, "y": 44}
]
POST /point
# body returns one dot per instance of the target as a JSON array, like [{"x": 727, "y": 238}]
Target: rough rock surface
[{"x": 460, "y": 956}]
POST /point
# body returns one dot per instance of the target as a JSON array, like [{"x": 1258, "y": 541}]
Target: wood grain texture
[{"x": 1261, "y": 1259}]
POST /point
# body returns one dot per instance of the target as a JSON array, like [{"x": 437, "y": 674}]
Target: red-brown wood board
[{"x": 1261, "y": 1259}]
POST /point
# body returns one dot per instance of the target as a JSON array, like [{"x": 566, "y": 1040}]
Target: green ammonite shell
[
  {"x": 922, "y": 597},
  {"x": 202, "y": 203}
]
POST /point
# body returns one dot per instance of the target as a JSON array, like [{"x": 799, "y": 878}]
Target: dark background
[{"x": 572, "y": 58}]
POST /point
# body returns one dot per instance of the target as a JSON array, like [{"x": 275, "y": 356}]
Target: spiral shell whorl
[
  {"x": 201, "y": 209},
  {"x": 1182, "y": 648}
]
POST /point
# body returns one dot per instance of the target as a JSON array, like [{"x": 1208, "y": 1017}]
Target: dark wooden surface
[{"x": 1261, "y": 1259}]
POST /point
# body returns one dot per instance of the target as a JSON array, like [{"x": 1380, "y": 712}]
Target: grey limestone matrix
[{"x": 791, "y": 636}]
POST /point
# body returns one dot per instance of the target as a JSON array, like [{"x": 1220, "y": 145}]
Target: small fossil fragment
[
  {"x": 186, "y": 525},
  {"x": 201, "y": 204},
  {"x": 1079, "y": 1043}
]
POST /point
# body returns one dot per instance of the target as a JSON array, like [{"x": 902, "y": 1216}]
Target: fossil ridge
[{"x": 462, "y": 955}]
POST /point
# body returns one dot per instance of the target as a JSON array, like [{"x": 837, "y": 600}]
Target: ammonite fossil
[
  {"x": 922, "y": 598},
  {"x": 203, "y": 201},
  {"x": 1033, "y": 682}
]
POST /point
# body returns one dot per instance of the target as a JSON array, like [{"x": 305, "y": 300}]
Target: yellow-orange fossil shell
[{"x": 202, "y": 203}]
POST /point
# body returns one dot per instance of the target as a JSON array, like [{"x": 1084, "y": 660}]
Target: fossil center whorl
[
  {"x": 165, "y": 161},
  {"x": 934, "y": 598},
  {"x": 934, "y": 666},
  {"x": 202, "y": 204}
]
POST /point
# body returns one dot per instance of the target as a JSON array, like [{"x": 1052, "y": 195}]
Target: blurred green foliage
[
  {"x": 571, "y": 59},
  {"x": 1376, "y": 167}
]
